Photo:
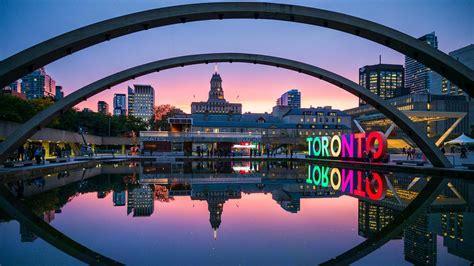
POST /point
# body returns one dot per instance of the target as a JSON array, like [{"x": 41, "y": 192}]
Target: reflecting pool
[{"x": 232, "y": 213}]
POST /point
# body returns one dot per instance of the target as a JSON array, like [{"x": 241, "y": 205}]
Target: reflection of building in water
[
  {"x": 450, "y": 216},
  {"x": 102, "y": 194},
  {"x": 118, "y": 198},
  {"x": 420, "y": 242},
  {"x": 28, "y": 236},
  {"x": 215, "y": 202},
  {"x": 457, "y": 229},
  {"x": 372, "y": 218},
  {"x": 292, "y": 205},
  {"x": 140, "y": 201}
]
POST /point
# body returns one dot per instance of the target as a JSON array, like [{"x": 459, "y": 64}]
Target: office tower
[
  {"x": 140, "y": 201},
  {"x": 290, "y": 98},
  {"x": 103, "y": 107},
  {"x": 38, "y": 84},
  {"x": 120, "y": 104},
  {"x": 384, "y": 80},
  {"x": 118, "y": 198},
  {"x": 141, "y": 101},
  {"x": 464, "y": 55},
  {"x": 420, "y": 242},
  {"x": 59, "y": 93},
  {"x": 420, "y": 78}
]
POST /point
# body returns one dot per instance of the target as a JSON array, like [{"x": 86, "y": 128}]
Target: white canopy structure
[{"x": 463, "y": 139}]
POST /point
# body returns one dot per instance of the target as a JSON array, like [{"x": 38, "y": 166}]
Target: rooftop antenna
[
  {"x": 380, "y": 59},
  {"x": 215, "y": 68}
]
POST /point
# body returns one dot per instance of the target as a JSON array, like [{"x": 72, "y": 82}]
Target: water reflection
[{"x": 381, "y": 196}]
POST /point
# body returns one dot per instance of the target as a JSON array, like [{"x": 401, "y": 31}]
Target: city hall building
[{"x": 219, "y": 125}]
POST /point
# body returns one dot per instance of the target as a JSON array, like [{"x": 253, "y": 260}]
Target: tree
[
  {"x": 162, "y": 113},
  {"x": 17, "y": 110}
]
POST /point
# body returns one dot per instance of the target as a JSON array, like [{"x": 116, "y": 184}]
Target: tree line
[{"x": 17, "y": 110}]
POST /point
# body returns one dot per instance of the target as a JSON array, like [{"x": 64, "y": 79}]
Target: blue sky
[{"x": 25, "y": 23}]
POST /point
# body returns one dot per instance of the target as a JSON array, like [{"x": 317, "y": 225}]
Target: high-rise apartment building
[
  {"x": 141, "y": 101},
  {"x": 120, "y": 103},
  {"x": 102, "y": 107},
  {"x": 38, "y": 84},
  {"x": 384, "y": 80},
  {"x": 290, "y": 98},
  {"x": 464, "y": 55},
  {"x": 420, "y": 78}
]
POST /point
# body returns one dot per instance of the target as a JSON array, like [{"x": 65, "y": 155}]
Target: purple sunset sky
[{"x": 26, "y": 23}]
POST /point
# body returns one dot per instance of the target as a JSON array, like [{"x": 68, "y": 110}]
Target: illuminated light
[
  {"x": 317, "y": 169},
  {"x": 347, "y": 144},
  {"x": 359, "y": 190},
  {"x": 370, "y": 187},
  {"x": 337, "y": 152},
  {"x": 317, "y": 152},
  {"x": 337, "y": 173},
  {"x": 348, "y": 179},
  {"x": 359, "y": 137},
  {"x": 324, "y": 176},
  {"x": 324, "y": 146},
  {"x": 245, "y": 146},
  {"x": 382, "y": 144},
  {"x": 310, "y": 145}
]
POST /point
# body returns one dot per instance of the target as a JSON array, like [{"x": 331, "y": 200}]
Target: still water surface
[{"x": 236, "y": 213}]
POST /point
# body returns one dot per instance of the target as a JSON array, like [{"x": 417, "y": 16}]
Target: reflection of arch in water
[
  {"x": 25, "y": 216},
  {"x": 46, "y": 52},
  {"x": 402, "y": 220},
  {"x": 401, "y": 120}
]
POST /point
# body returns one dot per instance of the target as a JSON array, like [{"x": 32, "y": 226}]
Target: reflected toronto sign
[
  {"x": 347, "y": 146},
  {"x": 364, "y": 184}
]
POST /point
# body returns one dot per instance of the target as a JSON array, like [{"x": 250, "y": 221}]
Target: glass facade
[
  {"x": 383, "y": 80},
  {"x": 420, "y": 78}
]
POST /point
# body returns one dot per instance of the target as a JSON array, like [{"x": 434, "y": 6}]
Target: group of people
[
  {"x": 409, "y": 152},
  {"x": 463, "y": 151},
  {"x": 32, "y": 152},
  {"x": 37, "y": 153},
  {"x": 61, "y": 152}
]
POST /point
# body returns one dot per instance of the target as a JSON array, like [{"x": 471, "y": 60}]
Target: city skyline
[{"x": 255, "y": 86}]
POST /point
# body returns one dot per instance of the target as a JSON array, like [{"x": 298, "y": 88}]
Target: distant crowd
[{"x": 37, "y": 153}]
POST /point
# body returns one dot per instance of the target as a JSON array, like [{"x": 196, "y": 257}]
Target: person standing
[
  {"x": 21, "y": 152},
  {"x": 43, "y": 154},
  {"x": 463, "y": 152},
  {"x": 37, "y": 155}
]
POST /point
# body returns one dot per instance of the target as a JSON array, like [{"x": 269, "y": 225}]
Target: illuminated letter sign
[
  {"x": 348, "y": 145},
  {"x": 362, "y": 184}
]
